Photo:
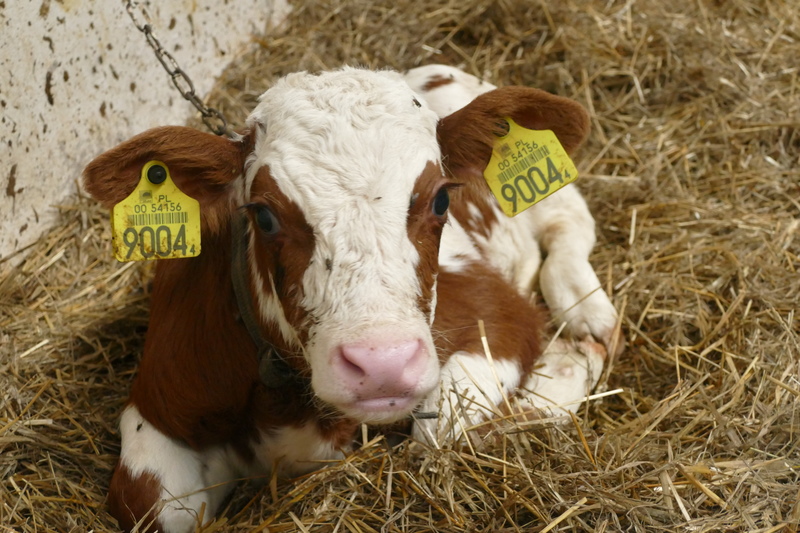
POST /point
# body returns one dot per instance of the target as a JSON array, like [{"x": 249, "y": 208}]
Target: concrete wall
[{"x": 77, "y": 77}]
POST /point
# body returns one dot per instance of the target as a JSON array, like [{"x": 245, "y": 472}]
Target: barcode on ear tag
[
  {"x": 157, "y": 220},
  {"x": 527, "y": 166}
]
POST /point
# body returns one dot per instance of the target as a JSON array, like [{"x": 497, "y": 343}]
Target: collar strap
[{"x": 274, "y": 371}]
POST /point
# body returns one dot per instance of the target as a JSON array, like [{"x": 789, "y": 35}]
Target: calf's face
[
  {"x": 340, "y": 177},
  {"x": 347, "y": 199}
]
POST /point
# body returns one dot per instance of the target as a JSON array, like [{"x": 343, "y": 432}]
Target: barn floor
[{"x": 693, "y": 174}]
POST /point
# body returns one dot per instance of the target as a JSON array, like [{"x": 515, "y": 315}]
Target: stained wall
[{"x": 77, "y": 77}]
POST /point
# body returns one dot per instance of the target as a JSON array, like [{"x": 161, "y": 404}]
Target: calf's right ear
[{"x": 201, "y": 165}]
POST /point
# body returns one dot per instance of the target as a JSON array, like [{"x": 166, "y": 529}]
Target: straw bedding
[{"x": 693, "y": 174}]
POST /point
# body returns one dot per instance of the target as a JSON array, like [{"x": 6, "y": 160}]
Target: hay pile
[{"x": 693, "y": 174}]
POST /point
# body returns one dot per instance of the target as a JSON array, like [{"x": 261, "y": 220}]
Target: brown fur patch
[
  {"x": 285, "y": 255},
  {"x": 436, "y": 81},
  {"x": 132, "y": 500},
  {"x": 425, "y": 231},
  {"x": 513, "y": 325},
  {"x": 198, "y": 371}
]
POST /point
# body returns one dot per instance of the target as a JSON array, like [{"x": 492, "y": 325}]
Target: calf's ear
[
  {"x": 201, "y": 165},
  {"x": 467, "y": 136}
]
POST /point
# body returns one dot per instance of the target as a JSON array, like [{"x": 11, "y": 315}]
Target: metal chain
[{"x": 212, "y": 118}]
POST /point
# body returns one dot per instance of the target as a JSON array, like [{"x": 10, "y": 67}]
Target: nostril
[{"x": 351, "y": 367}]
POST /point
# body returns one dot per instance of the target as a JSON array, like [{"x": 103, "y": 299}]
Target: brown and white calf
[{"x": 370, "y": 248}]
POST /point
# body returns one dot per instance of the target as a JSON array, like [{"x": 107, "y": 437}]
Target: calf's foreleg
[{"x": 162, "y": 484}]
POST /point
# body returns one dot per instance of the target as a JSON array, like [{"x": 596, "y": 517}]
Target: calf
[{"x": 349, "y": 249}]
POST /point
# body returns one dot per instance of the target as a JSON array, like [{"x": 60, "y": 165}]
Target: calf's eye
[
  {"x": 441, "y": 202},
  {"x": 267, "y": 221}
]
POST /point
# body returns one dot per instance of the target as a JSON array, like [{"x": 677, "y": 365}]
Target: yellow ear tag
[
  {"x": 157, "y": 220},
  {"x": 526, "y": 167}
]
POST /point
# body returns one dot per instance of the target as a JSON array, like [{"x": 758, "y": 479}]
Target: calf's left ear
[
  {"x": 467, "y": 136},
  {"x": 201, "y": 165}
]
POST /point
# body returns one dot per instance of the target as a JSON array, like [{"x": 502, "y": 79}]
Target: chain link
[{"x": 212, "y": 118}]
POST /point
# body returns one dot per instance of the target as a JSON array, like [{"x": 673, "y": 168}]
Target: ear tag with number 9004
[
  {"x": 157, "y": 220},
  {"x": 526, "y": 167}
]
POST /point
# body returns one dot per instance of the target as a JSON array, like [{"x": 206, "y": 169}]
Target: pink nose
[{"x": 379, "y": 369}]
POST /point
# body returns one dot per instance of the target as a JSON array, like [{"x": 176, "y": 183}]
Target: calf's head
[{"x": 342, "y": 180}]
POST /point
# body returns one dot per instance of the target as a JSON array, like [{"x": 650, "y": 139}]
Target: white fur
[
  {"x": 434, "y": 299},
  {"x": 190, "y": 479},
  {"x": 469, "y": 393},
  {"x": 471, "y": 388},
  {"x": 474, "y": 212},
  {"x": 457, "y": 249},
  {"x": 449, "y": 98},
  {"x": 565, "y": 229},
  {"x": 513, "y": 250},
  {"x": 564, "y": 375}
]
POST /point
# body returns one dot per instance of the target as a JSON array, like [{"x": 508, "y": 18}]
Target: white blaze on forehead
[{"x": 347, "y": 147}]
